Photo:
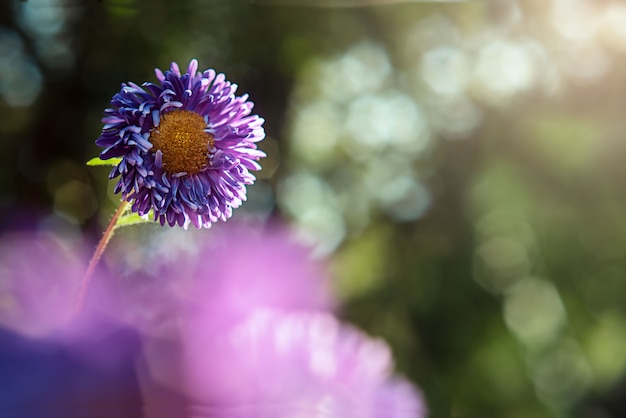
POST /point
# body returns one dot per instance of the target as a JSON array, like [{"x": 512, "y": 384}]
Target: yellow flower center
[{"x": 181, "y": 138}]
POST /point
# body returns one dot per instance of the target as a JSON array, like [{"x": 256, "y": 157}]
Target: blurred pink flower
[
  {"x": 293, "y": 365},
  {"x": 249, "y": 334},
  {"x": 243, "y": 271},
  {"x": 223, "y": 276},
  {"x": 52, "y": 359},
  {"x": 39, "y": 279},
  {"x": 39, "y": 276}
]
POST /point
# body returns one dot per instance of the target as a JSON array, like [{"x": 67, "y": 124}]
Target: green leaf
[
  {"x": 131, "y": 218},
  {"x": 96, "y": 161}
]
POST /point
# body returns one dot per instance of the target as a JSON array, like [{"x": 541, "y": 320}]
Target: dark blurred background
[{"x": 462, "y": 165}]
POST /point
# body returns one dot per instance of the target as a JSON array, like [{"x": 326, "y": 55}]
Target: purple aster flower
[{"x": 187, "y": 145}]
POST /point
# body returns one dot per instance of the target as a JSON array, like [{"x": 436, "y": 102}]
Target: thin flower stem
[{"x": 95, "y": 258}]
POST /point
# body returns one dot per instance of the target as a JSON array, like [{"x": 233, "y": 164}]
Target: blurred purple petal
[
  {"x": 246, "y": 330},
  {"x": 39, "y": 276},
  {"x": 223, "y": 275},
  {"x": 55, "y": 362},
  {"x": 286, "y": 364}
]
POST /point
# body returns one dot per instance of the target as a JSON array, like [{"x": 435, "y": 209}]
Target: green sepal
[
  {"x": 96, "y": 161},
  {"x": 131, "y": 218}
]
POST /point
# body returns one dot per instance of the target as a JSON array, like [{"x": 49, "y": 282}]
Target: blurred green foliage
[{"x": 461, "y": 164}]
